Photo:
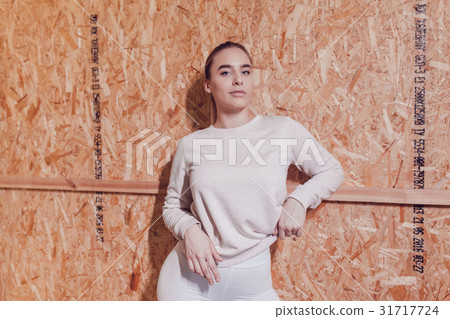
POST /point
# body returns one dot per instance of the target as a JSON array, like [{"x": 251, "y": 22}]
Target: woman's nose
[{"x": 238, "y": 80}]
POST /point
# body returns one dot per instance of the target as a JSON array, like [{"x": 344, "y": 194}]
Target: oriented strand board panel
[{"x": 344, "y": 69}]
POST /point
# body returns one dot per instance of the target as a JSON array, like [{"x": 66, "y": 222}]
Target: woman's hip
[{"x": 250, "y": 280}]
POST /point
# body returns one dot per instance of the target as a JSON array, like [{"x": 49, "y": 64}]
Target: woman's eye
[
  {"x": 224, "y": 73},
  {"x": 246, "y": 72}
]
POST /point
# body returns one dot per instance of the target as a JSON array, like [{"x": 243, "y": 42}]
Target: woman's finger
[
  {"x": 212, "y": 263},
  {"x": 213, "y": 267},
  {"x": 206, "y": 272},
  {"x": 299, "y": 232},
  {"x": 191, "y": 265},
  {"x": 215, "y": 253},
  {"x": 198, "y": 269}
]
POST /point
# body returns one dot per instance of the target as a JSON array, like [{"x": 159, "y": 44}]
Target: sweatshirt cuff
[{"x": 301, "y": 195}]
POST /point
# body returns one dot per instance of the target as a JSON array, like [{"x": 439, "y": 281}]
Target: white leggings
[{"x": 249, "y": 280}]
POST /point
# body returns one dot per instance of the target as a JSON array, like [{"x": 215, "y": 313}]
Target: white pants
[{"x": 249, "y": 280}]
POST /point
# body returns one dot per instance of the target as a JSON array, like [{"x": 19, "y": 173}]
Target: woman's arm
[
  {"x": 200, "y": 251},
  {"x": 312, "y": 158},
  {"x": 326, "y": 176},
  {"x": 176, "y": 211}
]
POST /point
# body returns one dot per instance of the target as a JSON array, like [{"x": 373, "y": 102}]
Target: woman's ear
[{"x": 206, "y": 86}]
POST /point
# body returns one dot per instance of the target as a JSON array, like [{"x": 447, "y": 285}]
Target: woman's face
[{"x": 231, "y": 80}]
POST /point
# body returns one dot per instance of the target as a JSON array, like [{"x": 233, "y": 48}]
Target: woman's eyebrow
[{"x": 225, "y": 66}]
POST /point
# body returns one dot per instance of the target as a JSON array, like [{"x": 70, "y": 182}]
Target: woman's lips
[{"x": 237, "y": 93}]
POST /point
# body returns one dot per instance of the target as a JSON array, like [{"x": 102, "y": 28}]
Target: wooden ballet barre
[{"x": 432, "y": 197}]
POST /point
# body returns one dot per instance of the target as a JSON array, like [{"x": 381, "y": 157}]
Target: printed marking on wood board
[
  {"x": 97, "y": 126},
  {"x": 420, "y": 45}
]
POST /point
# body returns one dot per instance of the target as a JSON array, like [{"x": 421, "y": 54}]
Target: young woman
[{"x": 227, "y": 201}]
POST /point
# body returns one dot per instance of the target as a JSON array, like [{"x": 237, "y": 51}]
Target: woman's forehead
[{"x": 231, "y": 56}]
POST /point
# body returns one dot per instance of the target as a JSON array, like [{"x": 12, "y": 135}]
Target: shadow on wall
[{"x": 160, "y": 239}]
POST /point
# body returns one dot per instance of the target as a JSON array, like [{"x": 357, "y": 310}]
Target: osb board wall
[{"x": 343, "y": 69}]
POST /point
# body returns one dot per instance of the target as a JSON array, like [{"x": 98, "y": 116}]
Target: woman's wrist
[
  {"x": 297, "y": 202},
  {"x": 190, "y": 229}
]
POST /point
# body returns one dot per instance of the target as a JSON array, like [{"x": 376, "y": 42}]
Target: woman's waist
[{"x": 260, "y": 259}]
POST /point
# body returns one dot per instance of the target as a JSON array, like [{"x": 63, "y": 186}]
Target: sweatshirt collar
[{"x": 240, "y": 128}]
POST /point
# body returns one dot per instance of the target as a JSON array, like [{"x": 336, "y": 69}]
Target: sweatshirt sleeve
[
  {"x": 312, "y": 158},
  {"x": 176, "y": 211}
]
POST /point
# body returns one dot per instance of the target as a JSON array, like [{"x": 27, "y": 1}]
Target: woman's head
[
  {"x": 229, "y": 77},
  {"x": 219, "y": 48}
]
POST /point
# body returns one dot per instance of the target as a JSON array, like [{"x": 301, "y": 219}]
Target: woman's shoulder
[
  {"x": 282, "y": 120},
  {"x": 276, "y": 118},
  {"x": 201, "y": 133},
  {"x": 284, "y": 123}
]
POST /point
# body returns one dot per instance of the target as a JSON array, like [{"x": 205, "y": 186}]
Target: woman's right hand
[{"x": 200, "y": 253}]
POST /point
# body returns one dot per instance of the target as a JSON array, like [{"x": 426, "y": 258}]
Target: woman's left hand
[{"x": 291, "y": 220}]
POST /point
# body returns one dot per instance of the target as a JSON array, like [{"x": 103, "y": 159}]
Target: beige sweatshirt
[{"x": 232, "y": 182}]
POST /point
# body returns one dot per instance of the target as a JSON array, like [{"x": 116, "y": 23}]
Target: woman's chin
[{"x": 235, "y": 107}]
